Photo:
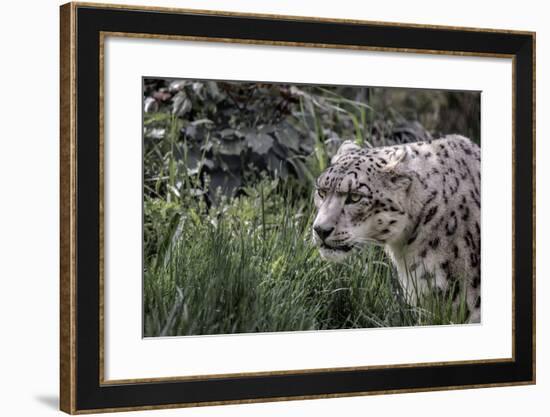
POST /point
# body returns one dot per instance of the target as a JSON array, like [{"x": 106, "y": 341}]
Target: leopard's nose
[{"x": 323, "y": 232}]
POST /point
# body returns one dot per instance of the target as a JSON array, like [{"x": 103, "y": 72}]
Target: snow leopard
[{"x": 420, "y": 201}]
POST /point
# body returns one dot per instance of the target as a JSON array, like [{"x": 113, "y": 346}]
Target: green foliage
[
  {"x": 227, "y": 131},
  {"x": 248, "y": 265}
]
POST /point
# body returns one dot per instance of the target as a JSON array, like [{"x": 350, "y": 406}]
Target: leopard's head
[{"x": 360, "y": 198}]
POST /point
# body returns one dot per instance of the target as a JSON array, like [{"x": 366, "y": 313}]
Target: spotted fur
[{"x": 420, "y": 200}]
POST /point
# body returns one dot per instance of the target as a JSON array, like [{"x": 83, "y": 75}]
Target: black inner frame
[{"x": 91, "y": 395}]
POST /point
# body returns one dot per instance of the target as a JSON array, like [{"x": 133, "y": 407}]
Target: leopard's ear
[
  {"x": 345, "y": 148},
  {"x": 396, "y": 175},
  {"x": 394, "y": 159}
]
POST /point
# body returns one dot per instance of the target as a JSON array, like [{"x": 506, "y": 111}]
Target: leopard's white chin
[{"x": 332, "y": 254}]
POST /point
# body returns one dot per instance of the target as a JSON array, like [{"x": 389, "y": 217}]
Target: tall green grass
[{"x": 250, "y": 266}]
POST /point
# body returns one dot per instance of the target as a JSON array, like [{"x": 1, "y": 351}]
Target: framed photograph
[{"x": 264, "y": 208}]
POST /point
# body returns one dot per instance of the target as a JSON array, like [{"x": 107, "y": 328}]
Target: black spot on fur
[
  {"x": 474, "y": 197},
  {"x": 414, "y": 233},
  {"x": 431, "y": 198},
  {"x": 478, "y": 302},
  {"x": 470, "y": 239},
  {"x": 474, "y": 259},
  {"x": 453, "y": 290},
  {"x": 434, "y": 243},
  {"x": 466, "y": 214},
  {"x": 431, "y": 213},
  {"x": 455, "y": 251},
  {"x": 451, "y": 225}
]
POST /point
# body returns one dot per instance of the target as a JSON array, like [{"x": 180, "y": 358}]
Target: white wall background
[{"x": 29, "y": 207}]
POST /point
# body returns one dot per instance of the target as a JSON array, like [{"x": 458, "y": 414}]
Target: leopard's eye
[
  {"x": 353, "y": 198},
  {"x": 321, "y": 193}
]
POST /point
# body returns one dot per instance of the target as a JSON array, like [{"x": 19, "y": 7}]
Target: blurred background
[{"x": 232, "y": 131}]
